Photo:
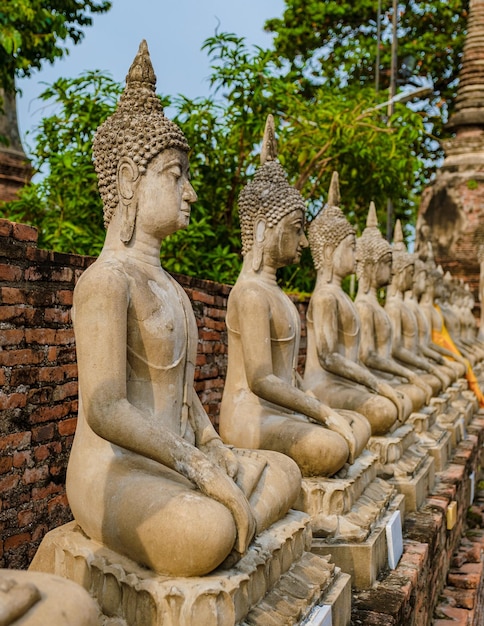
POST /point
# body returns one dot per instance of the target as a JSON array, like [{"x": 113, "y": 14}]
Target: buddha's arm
[
  {"x": 368, "y": 349},
  {"x": 398, "y": 349},
  {"x": 252, "y": 311},
  {"x": 325, "y": 322},
  {"x": 101, "y": 303}
]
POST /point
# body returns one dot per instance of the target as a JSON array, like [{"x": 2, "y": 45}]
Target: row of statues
[
  {"x": 148, "y": 475},
  {"x": 144, "y": 446}
]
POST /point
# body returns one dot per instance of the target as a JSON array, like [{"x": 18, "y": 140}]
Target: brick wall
[{"x": 38, "y": 381}]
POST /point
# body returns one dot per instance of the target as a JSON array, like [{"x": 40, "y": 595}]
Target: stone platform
[
  {"x": 404, "y": 464},
  {"x": 425, "y": 588},
  {"x": 278, "y": 579}
]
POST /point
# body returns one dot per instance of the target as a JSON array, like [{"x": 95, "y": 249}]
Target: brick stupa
[
  {"x": 15, "y": 170},
  {"x": 451, "y": 213}
]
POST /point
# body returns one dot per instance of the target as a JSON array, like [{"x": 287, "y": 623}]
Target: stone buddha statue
[
  {"x": 412, "y": 299},
  {"x": 263, "y": 404},
  {"x": 480, "y": 258},
  {"x": 37, "y": 599},
  {"x": 434, "y": 296},
  {"x": 334, "y": 372},
  {"x": 148, "y": 476},
  {"x": 374, "y": 270},
  {"x": 406, "y": 347}
]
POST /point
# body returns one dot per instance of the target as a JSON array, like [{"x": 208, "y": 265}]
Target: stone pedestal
[
  {"x": 278, "y": 579},
  {"x": 364, "y": 560},
  {"x": 405, "y": 464},
  {"x": 349, "y": 513}
]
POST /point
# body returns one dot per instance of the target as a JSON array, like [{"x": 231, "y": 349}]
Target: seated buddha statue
[
  {"x": 148, "y": 475},
  {"x": 480, "y": 258},
  {"x": 412, "y": 299},
  {"x": 263, "y": 404},
  {"x": 334, "y": 371},
  {"x": 430, "y": 302},
  {"x": 374, "y": 270},
  {"x": 406, "y": 347}
]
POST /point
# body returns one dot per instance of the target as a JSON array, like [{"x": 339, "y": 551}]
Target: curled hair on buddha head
[
  {"x": 330, "y": 225},
  {"x": 401, "y": 257},
  {"x": 137, "y": 130},
  {"x": 371, "y": 246},
  {"x": 268, "y": 195}
]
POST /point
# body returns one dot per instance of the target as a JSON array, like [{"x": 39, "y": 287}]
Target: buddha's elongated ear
[
  {"x": 127, "y": 178},
  {"x": 260, "y": 226}
]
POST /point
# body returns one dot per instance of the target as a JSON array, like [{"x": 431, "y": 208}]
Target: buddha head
[
  {"x": 403, "y": 262},
  {"x": 332, "y": 237},
  {"x": 130, "y": 139},
  {"x": 373, "y": 256},
  {"x": 271, "y": 212}
]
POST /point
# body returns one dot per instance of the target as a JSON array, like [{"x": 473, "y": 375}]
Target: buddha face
[
  {"x": 344, "y": 258},
  {"x": 164, "y": 194},
  {"x": 420, "y": 282},
  {"x": 284, "y": 242},
  {"x": 383, "y": 270}
]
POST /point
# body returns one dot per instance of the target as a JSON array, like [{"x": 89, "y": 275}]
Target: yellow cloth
[{"x": 443, "y": 339}]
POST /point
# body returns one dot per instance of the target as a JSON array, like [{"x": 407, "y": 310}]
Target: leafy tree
[
  {"x": 32, "y": 32},
  {"x": 331, "y": 131},
  {"x": 65, "y": 206},
  {"x": 333, "y": 43}
]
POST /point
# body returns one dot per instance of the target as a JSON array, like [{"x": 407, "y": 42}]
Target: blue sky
[{"x": 175, "y": 31}]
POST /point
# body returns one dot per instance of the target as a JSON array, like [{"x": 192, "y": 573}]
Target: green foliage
[
  {"x": 328, "y": 118},
  {"x": 333, "y": 43},
  {"x": 32, "y": 31},
  {"x": 65, "y": 206}
]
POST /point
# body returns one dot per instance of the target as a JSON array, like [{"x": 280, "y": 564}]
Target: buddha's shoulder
[{"x": 103, "y": 276}]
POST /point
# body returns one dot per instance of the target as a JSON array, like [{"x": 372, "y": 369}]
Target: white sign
[
  {"x": 472, "y": 477},
  {"x": 394, "y": 539},
  {"x": 320, "y": 616}
]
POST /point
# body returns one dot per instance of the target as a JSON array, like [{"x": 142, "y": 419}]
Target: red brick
[
  {"x": 10, "y": 358},
  {"x": 15, "y": 441},
  {"x": 44, "y": 492},
  {"x": 461, "y": 598},
  {"x": 49, "y": 413},
  {"x": 35, "y": 474},
  {"x": 59, "y": 373},
  {"x": 43, "y": 433},
  {"x": 67, "y": 427},
  {"x": 64, "y": 297},
  {"x": 16, "y": 540},
  {"x": 6, "y": 463},
  {"x": 13, "y": 295},
  {"x": 10, "y": 273},
  {"x": 6, "y": 227},
  {"x": 64, "y": 275},
  {"x": 68, "y": 390},
  {"x": 25, "y": 518},
  {"x": 466, "y": 577},
  {"x": 11, "y": 337},
  {"x": 40, "y": 336},
  {"x": 40, "y": 396},
  {"x": 200, "y": 296},
  {"x": 8, "y": 483},
  {"x": 22, "y": 232},
  {"x": 12, "y": 401},
  {"x": 22, "y": 458},
  {"x": 58, "y": 501},
  {"x": 57, "y": 316}
]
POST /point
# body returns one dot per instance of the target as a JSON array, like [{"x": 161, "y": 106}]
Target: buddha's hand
[
  {"x": 340, "y": 425},
  {"x": 416, "y": 380},
  {"x": 386, "y": 390},
  {"x": 216, "y": 484},
  {"x": 221, "y": 456}
]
